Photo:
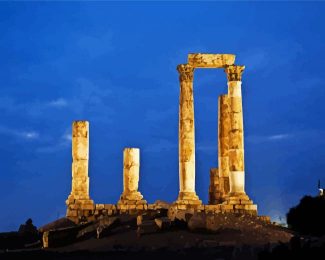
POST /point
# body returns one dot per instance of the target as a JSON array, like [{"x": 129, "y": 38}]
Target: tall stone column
[
  {"x": 223, "y": 144},
  {"x": 79, "y": 203},
  {"x": 187, "y": 194},
  {"x": 131, "y": 170},
  {"x": 236, "y": 136}
]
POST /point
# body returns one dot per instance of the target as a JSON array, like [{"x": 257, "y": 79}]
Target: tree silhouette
[{"x": 308, "y": 217}]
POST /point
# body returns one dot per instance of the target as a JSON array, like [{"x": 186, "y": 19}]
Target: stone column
[
  {"x": 223, "y": 144},
  {"x": 187, "y": 194},
  {"x": 236, "y": 136},
  {"x": 79, "y": 203},
  {"x": 131, "y": 169}
]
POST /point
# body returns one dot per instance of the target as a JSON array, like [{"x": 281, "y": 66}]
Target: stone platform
[{"x": 77, "y": 214}]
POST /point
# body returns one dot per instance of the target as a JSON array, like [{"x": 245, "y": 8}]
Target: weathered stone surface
[
  {"x": 131, "y": 169},
  {"x": 266, "y": 219},
  {"x": 147, "y": 227},
  {"x": 45, "y": 239},
  {"x": 205, "y": 60},
  {"x": 59, "y": 237},
  {"x": 79, "y": 203},
  {"x": 176, "y": 212},
  {"x": 160, "y": 204},
  {"x": 236, "y": 137},
  {"x": 57, "y": 224},
  {"x": 234, "y": 72},
  {"x": 163, "y": 223},
  {"x": 227, "y": 183},
  {"x": 186, "y": 137},
  {"x": 131, "y": 198},
  {"x": 214, "y": 188},
  {"x": 197, "y": 222}
]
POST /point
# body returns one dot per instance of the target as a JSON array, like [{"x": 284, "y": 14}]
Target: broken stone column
[
  {"x": 79, "y": 203},
  {"x": 131, "y": 168},
  {"x": 214, "y": 188},
  {"x": 223, "y": 144},
  {"x": 187, "y": 194}
]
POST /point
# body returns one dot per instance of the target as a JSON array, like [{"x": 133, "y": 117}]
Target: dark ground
[{"x": 231, "y": 237}]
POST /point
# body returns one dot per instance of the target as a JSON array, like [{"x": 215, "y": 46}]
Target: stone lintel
[{"x": 207, "y": 60}]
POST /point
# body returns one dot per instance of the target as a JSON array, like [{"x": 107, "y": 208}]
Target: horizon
[{"x": 114, "y": 65}]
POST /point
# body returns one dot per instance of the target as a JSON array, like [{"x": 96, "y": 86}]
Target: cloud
[
  {"x": 27, "y": 135},
  {"x": 35, "y": 108},
  {"x": 64, "y": 142},
  {"x": 278, "y": 137},
  {"x": 67, "y": 137},
  {"x": 61, "y": 102},
  {"x": 268, "y": 138},
  {"x": 30, "y": 135}
]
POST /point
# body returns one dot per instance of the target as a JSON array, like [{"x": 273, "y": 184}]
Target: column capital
[
  {"x": 234, "y": 72},
  {"x": 186, "y": 72}
]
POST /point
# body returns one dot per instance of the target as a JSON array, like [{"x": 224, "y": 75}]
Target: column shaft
[
  {"x": 223, "y": 144},
  {"x": 186, "y": 134},
  {"x": 131, "y": 174},
  {"x": 236, "y": 137},
  {"x": 80, "y": 156},
  {"x": 131, "y": 171},
  {"x": 79, "y": 203}
]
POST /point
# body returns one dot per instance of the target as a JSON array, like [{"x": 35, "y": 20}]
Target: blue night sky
[{"x": 114, "y": 64}]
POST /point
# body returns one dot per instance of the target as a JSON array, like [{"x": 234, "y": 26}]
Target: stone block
[
  {"x": 234, "y": 202},
  {"x": 100, "y": 206},
  {"x": 225, "y": 207},
  {"x": 72, "y": 213},
  {"x": 147, "y": 227},
  {"x": 181, "y": 207},
  {"x": 266, "y": 219},
  {"x": 236, "y": 160},
  {"x": 246, "y": 202},
  {"x": 163, "y": 223},
  {"x": 239, "y": 206},
  {"x": 250, "y": 207},
  {"x": 80, "y": 148},
  {"x": 235, "y": 104},
  {"x": 205, "y": 60},
  {"x": 197, "y": 222}
]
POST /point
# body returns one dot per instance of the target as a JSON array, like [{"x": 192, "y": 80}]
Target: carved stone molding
[
  {"x": 234, "y": 72},
  {"x": 185, "y": 72}
]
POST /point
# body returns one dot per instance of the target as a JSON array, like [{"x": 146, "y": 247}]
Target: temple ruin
[{"x": 227, "y": 182}]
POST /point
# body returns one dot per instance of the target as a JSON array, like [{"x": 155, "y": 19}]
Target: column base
[
  {"x": 80, "y": 210},
  {"x": 131, "y": 197},
  {"x": 240, "y": 203},
  {"x": 188, "y": 198},
  {"x": 131, "y": 201}
]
